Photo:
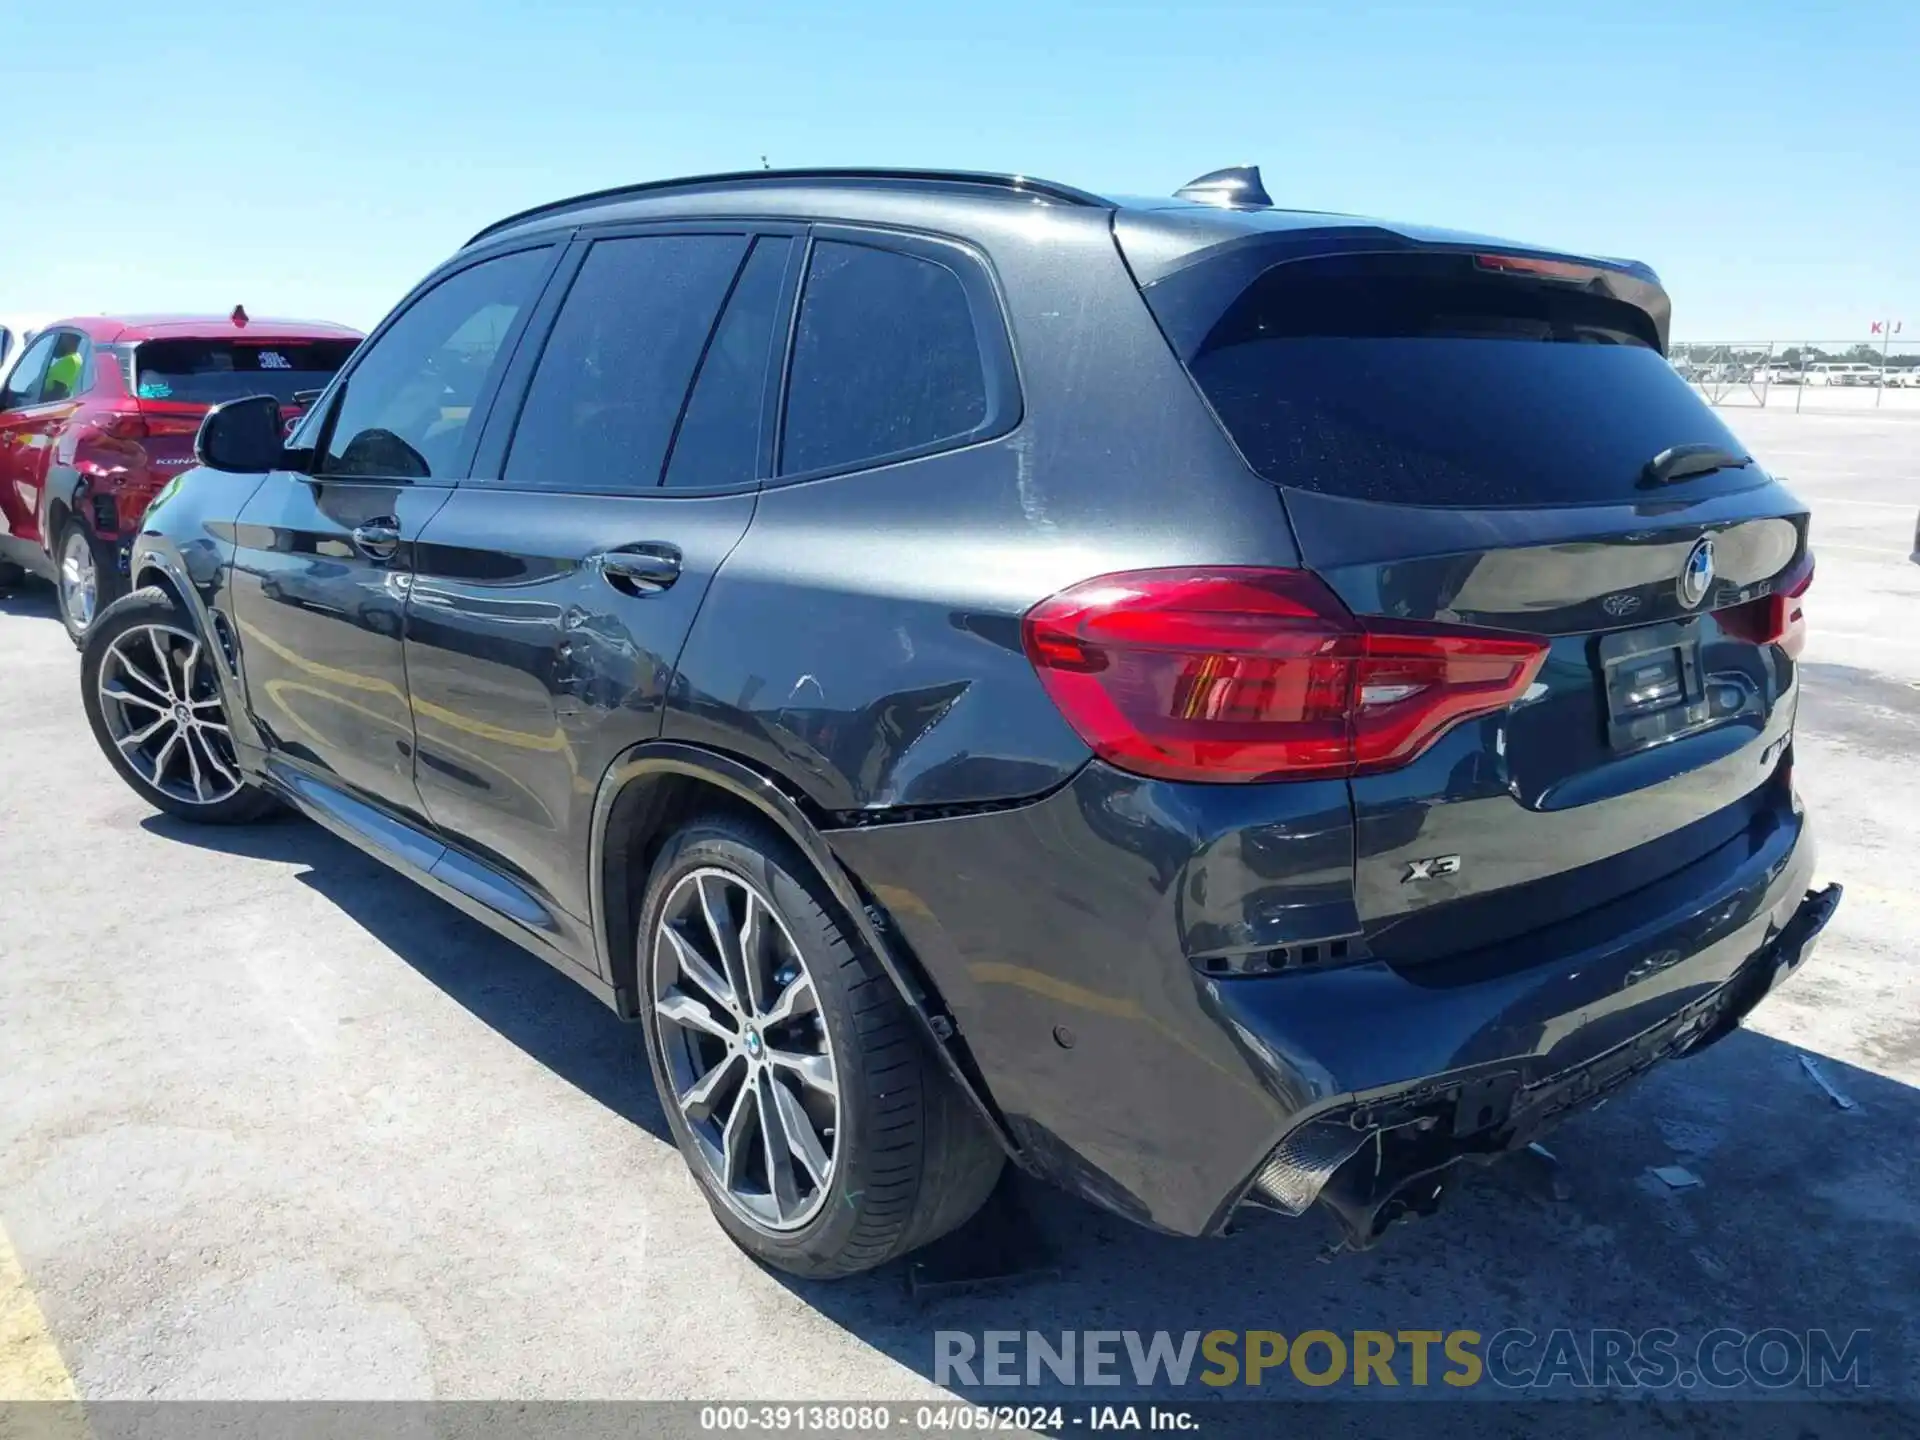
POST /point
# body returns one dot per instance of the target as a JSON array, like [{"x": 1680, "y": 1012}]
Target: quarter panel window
[
  {"x": 605, "y": 398},
  {"x": 886, "y": 360},
  {"x": 408, "y": 404}
]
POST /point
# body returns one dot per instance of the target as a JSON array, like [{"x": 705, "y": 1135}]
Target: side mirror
[
  {"x": 242, "y": 436},
  {"x": 6, "y": 347}
]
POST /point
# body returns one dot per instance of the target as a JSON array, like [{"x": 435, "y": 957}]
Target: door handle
[
  {"x": 640, "y": 570},
  {"x": 377, "y": 539}
]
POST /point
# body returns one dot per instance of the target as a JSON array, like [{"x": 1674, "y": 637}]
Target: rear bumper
[{"x": 1060, "y": 938}]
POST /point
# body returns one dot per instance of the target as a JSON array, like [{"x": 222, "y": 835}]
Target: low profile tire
[
  {"x": 87, "y": 579},
  {"x": 824, "y": 1133},
  {"x": 151, "y": 696}
]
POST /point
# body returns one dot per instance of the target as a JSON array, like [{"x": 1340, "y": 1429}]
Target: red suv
[{"x": 98, "y": 415}]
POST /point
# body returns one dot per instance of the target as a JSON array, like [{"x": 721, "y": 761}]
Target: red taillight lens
[
  {"x": 1237, "y": 674},
  {"x": 1776, "y": 619}
]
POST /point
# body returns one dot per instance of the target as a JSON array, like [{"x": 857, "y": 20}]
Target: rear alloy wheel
[
  {"x": 745, "y": 1049},
  {"x": 85, "y": 581},
  {"x": 155, "y": 705},
  {"x": 825, "y": 1132}
]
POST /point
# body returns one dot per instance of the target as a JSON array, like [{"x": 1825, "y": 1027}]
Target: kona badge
[
  {"x": 1427, "y": 869},
  {"x": 1696, "y": 576}
]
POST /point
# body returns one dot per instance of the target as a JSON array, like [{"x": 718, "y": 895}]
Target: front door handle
[
  {"x": 640, "y": 569},
  {"x": 377, "y": 539}
]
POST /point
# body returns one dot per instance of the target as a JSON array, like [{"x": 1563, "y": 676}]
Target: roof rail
[{"x": 1019, "y": 184}]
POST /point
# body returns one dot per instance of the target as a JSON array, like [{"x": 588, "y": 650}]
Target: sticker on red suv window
[{"x": 274, "y": 360}]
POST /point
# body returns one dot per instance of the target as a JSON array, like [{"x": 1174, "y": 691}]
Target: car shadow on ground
[
  {"x": 34, "y": 597},
  {"x": 1805, "y": 1215},
  {"x": 525, "y": 1000}
]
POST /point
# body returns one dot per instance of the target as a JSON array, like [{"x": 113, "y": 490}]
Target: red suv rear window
[{"x": 207, "y": 372}]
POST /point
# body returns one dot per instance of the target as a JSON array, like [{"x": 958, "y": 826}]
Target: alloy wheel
[
  {"x": 79, "y": 583},
  {"x": 162, "y": 708},
  {"x": 746, "y": 1049}
]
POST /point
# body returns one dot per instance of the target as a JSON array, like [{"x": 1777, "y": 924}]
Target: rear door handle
[
  {"x": 377, "y": 539},
  {"x": 640, "y": 569}
]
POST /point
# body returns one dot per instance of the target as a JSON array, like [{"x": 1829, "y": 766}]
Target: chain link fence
[{"x": 1802, "y": 375}]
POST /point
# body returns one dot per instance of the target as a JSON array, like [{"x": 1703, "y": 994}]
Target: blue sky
[{"x": 315, "y": 159}]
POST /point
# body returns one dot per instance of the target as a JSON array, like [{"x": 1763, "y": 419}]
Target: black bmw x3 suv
[{"x": 1219, "y": 705}]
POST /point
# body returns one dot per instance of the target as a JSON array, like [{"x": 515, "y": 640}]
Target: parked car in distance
[
  {"x": 98, "y": 413},
  {"x": 1840, "y": 372},
  {"x": 978, "y": 670},
  {"x": 1777, "y": 374}
]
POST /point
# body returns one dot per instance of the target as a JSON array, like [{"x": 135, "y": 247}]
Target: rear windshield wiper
[{"x": 1683, "y": 462}]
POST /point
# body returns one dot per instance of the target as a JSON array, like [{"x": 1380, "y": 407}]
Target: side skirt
[{"x": 470, "y": 886}]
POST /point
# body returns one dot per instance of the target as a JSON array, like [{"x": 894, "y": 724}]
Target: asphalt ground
[{"x": 276, "y": 1124}]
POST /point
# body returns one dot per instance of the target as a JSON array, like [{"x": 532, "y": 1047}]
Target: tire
[
  {"x": 75, "y": 548},
  {"x": 123, "y": 656},
  {"x": 910, "y": 1160}
]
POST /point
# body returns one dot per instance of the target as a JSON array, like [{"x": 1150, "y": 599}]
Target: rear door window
[
  {"x": 1421, "y": 381},
  {"x": 718, "y": 443},
  {"x": 607, "y": 394},
  {"x": 408, "y": 405},
  {"x": 209, "y": 372},
  {"x": 886, "y": 360}
]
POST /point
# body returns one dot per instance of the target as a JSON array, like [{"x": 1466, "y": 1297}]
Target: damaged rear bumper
[
  {"x": 1373, "y": 1162},
  {"x": 1061, "y": 939}
]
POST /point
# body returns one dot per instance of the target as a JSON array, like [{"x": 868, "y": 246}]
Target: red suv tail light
[{"x": 1241, "y": 674}]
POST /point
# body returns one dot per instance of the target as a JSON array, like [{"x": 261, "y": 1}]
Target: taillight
[
  {"x": 1776, "y": 619},
  {"x": 1240, "y": 674}
]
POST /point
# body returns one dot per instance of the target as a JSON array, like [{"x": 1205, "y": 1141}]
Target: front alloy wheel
[
  {"x": 745, "y": 1049},
  {"x": 154, "y": 703},
  {"x": 161, "y": 705}
]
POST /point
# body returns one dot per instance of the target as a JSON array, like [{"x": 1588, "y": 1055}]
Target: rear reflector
[{"x": 1241, "y": 674}]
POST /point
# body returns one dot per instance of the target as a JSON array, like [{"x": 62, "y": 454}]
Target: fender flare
[
  {"x": 151, "y": 555},
  {"x": 655, "y": 759}
]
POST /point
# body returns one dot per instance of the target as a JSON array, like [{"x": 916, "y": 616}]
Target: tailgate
[
  {"x": 1470, "y": 441},
  {"x": 1648, "y": 738}
]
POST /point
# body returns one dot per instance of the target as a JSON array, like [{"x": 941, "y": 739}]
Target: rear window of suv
[
  {"x": 1421, "y": 380},
  {"x": 207, "y": 372}
]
